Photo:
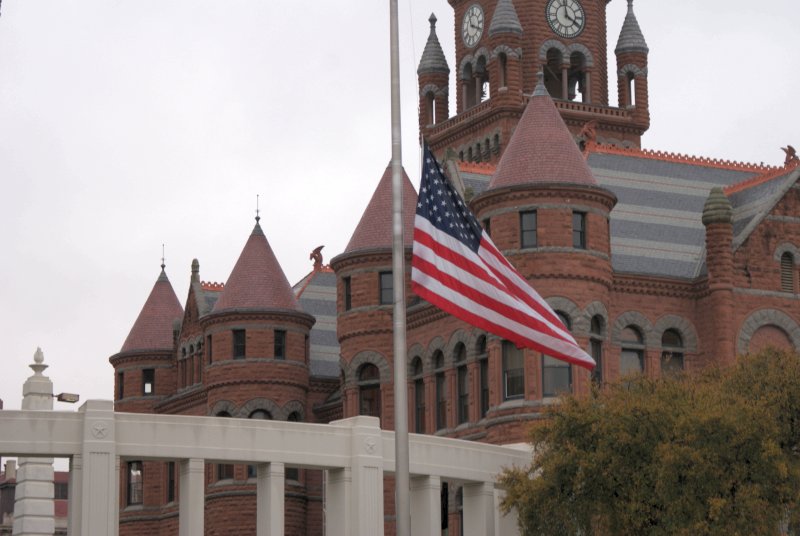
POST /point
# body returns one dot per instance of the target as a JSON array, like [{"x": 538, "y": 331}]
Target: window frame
[
  {"x": 526, "y": 233},
  {"x": 279, "y": 344},
  {"x": 135, "y": 487},
  {"x": 347, "y": 290},
  {"x": 579, "y": 229},
  {"x": 239, "y": 343},
  {"x": 515, "y": 374},
  {"x": 148, "y": 380},
  {"x": 385, "y": 288}
]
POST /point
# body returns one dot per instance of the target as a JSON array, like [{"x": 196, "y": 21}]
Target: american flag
[{"x": 456, "y": 267}]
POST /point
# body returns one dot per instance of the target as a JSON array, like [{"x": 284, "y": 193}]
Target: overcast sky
[{"x": 127, "y": 124}]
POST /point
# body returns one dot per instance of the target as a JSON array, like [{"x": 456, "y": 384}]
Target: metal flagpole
[{"x": 402, "y": 503}]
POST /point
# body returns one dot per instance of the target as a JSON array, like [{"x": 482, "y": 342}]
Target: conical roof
[
  {"x": 257, "y": 280},
  {"x": 631, "y": 38},
  {"x": 153, "y": 327},
  {"x": 375, "y": 228},
  {"x": 541, "y": 149},
  {"x": 505, "y": 19},
  {"x": 433, "y": 60}
]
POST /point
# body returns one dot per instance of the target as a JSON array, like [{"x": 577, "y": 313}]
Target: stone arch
[
  {"x": 417, "y": 350},
  {"x": 552, "y": 43},
  {"x": 468, "y": 60},
  {"x": 433, "y": 89},
  {"x": 597, "y": 309},
  {"x": 507, "y": 50},
  {"x": 637, "y": 319},
  {"x": 223, "y": 406},
  {"x": 293, "y": 406},
  {"x": 368, "y": 356},
  {"x": 436, "y": 344},
  {"x": 263, "y": 404},
  {"x": 580, "y": 325},
  {"x": 577, "y": 47},
  {"x": 635, "y": 70},
  {"x": 682, "y": 326},
  {"x": 460, "y": 336},
  {"x": 787, "y": 247},
  {"x": 767, "y": 317}
]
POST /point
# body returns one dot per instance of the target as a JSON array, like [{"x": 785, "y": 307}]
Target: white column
[
  {"x": 75, "y": 495},
  {"x": 364, "y": 510},
  {"x": 192, "y": 502},
  {"x": 34, "y": 509},
  {"x": 426, "y": 511},
  {"x": 479, "y": 509},
  {"x": 99, "y": 481},
  {"x": 338, "y": 494},
  {"x": 270, "y": 499},
  {"x": 504, "y": 525}
]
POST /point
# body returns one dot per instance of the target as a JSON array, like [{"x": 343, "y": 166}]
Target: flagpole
[{"x": 402, "y": 484}]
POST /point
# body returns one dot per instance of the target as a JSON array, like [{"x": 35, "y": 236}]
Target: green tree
[{"x": 713, "y": 454}]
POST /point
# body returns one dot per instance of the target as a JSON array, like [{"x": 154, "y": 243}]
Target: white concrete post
[
  {"x": 34, "y": 509},
  {"x": 504, "y": 525},
  {"x": 270, "y": 494},
  {"x": 192, "y": 502},
  {"x": 75, "y": 493},
  {"x": 479, "y": 509},
  {"x": 364, "y": 483},
  {"x": 100, "y": 475},
  {"x": 426, "y": 511}
]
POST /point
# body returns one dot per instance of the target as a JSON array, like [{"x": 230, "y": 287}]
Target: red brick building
[{"x": 656, "y": 262}]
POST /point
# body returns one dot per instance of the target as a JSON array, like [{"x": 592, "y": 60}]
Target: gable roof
[
  {"x": 257, "y": 281},
  {"x": 153, "y": 327},
  {"x": 374, "y": 230}
]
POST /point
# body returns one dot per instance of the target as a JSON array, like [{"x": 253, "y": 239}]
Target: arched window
[
  {"x": 556, "y": 374},
  {"x": 369, "y": 390},
  {"x": 513, "y": 371},
  {"x": 468, "y": 88},
  {"x": 787, "y": 272},
  {"x": 462, "y": 382},
  {"x": 632, "y": 355},
  {"x": 430, "y": 108},
  {"x": 441, "y": 390},
  {"x": 483, "y": 372},
  {"x": 576, "y": 81},
  {"x": 482, "y": 80},
  {"x": 553, "y": 73},
  {"x": 502, "y": 61},
  {"x": 596, "y": 346},
  {"x": 630, "y": 79},
  {"x": 671, "y": 352},
  {"x": 419, "y": 395}
]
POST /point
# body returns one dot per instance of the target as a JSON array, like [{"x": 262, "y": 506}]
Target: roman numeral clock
[{"x": 566, "y": 17}]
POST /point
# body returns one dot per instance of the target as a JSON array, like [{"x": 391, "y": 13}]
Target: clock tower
[{"x": 502, "y": 45}]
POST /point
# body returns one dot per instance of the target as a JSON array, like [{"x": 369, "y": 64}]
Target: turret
[
  {"x": 505, "y": 69},
  {"x": 433, "y": 76},
  {"x": 631, "y": 52}
]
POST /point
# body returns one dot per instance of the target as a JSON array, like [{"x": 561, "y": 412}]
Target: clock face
[
  {"x": 566, "y": 17},
  {"x": 472, "y": 27}
]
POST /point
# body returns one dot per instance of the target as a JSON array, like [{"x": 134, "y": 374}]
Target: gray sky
[{"x": 127, "y": 124}]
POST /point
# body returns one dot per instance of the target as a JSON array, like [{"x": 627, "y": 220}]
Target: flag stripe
[{"x": 457, "y": 267}]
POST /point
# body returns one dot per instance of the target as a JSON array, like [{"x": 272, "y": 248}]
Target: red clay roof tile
[
  {"x": 153, "y": 327},
  {"x": 375, "y": 228},
  {"x": 257, "y": 280}
]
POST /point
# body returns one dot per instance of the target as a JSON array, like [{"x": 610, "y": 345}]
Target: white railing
[{"x": 354, "y": 452}]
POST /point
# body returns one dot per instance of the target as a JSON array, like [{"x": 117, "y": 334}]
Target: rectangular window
[
  {"x": 387, "y": 288},
  {"x": 134, "y": 483},
  {"x": 597, "y": 355},
  {"x": 292, "y": 473},
  {"x": 61, "y": 491},
  {"x": 208, "y": 349},
  {"x": 348, "y": 293},
  {"x": 513, "y": 371},
  {"x": 120, "y": 385},
  {"x": 280, "y": 344},
  {"x": 170, "y": 482},
  {"x": 579, "y": 230},
  {"x": 441, "y": 401},
  {"x": 463, "y": 395},
  {"x": 527, "y": 229},
  {"x": 148, "y": 381},
  {"x": 239, "y": 342},
  {"x": 225, "y": 471},
  {"x": 484, "y": 371},
  {"x": 556, "y": 376},
  {"x": 419, "y": 406},
  {"x": 487, "y": 226}
]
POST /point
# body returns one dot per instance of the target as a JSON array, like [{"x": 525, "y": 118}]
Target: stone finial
[
  {"x": 195, "y": 271},
  {"x": 718, "y": 208},
  {"x": 38, "y": 362},
  {"x": 540, "y": 90}
]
